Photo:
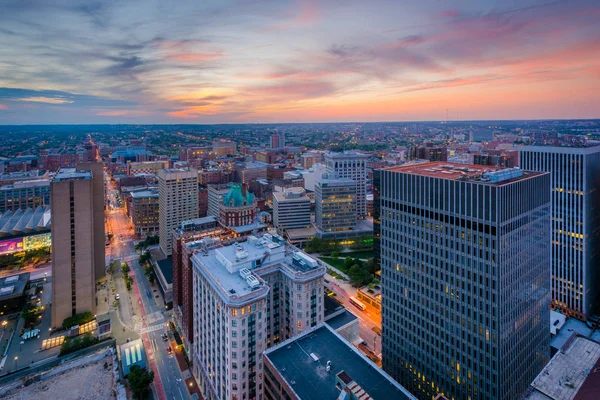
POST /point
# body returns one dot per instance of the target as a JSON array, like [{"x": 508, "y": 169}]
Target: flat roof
[
  {"x": 566, "y": 331},
  {"x": 294, "y": 359},
  {"x": 341, "y": 319},
  {"x": 13, "y": 285},
  {"x": 144, "y": 193},
  {"x": 64, "y": 174},
  {"x": 458, "y": 171},
  {"x": 567, "y": 371},
  {"x": 166, "y": 267}
]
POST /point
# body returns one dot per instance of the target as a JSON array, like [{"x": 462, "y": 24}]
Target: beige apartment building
[
  {"x": 76, "y": 238},
  {"x": 177, "y": 201}
]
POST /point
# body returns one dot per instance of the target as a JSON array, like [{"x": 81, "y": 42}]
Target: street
[
  {"x": 370, "y": 318},
  {"x": 137, "y": 309}
]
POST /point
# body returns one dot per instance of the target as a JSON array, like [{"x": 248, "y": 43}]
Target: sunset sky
[{"x": 193, "y": 61}]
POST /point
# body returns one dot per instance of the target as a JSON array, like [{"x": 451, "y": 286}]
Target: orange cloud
[
  {"x": 3, "y": 107},
  {"x": 193, "y": 112},
  {"x": 47, "y": 100}
]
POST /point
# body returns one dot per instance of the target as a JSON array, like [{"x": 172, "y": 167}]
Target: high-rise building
[
  {"x": 575, "y": 203},
  {"x": 351, "y": 165},
  {"x": 248, "y": 297},
  {"x": 215, "y": 197},
  {"x": 178, "y": 201},
  {"x": 465, "y": 258},
  {"x": 291, "y": 209},
  {"x": 25, "y": 194},
  {"x": 74, "y": 238},
  {"x": 97, "y": 169},
  {"x": 335, "y": 204},
  {"x": 275, "y": 141},
  {"x": 144, "y": 211}
]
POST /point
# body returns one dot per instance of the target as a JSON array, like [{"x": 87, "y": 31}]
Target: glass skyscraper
[
  {"x": 465, "y": 259},
  {"x": 575, "y": 204}
]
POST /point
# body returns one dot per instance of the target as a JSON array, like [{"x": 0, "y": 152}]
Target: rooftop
[
  {"x": 483, "y": 174},
  {"x": 132, "y": 353},
  {"x": 65, "y": 174},
  {"x": 341, "y": 319},
  {"x": 302, "y": 362},
  {"x": 140, "y": 194},
  {"x": 228, "y": 268},
  {"x": 567, "y": 372},
  {"x": 13, "y": 286},
  {"x": 237, "y": 196},
  {"x": 166, "y": 268},
  {"x": 571, "y": 326},
  {"x": 27, "y": 184},
  {"x": 25, "y": 221},
  {"x": 346, "y": 154}
]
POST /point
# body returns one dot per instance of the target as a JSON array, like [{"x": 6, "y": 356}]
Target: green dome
[{"x": 235, "y": 197}]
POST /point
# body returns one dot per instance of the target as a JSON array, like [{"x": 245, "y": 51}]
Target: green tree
[
  {"x": 348, "y": 262},
  {"x": 139, "y": 380},
  {"x": 359, "y": 276},
  {"x": 77, "y": 319},
  {"x": 335, "y": 255},
  {"x": 29, "y": 313}
]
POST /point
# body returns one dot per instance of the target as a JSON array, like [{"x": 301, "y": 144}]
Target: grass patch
[
  {"x": 363, "y": 254},
  {"x": 335, "y": 274},
  {"x": 339, "y": 263}
]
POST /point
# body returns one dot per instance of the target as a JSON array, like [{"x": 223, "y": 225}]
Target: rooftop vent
[
  {"x": 314, "y": 357},
  {"x": 240, "y": 254},
  {"x": 245, "y": 273},
  {"x": 252, "y": 281}
]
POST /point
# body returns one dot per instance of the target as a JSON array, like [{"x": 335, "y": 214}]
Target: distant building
[
  {"x": 25, "y": 194},
  {"x": 215, "y": 197},
  {"x": 202, "y": 201},
  {"x": 335, "y": 204},
  {"x": 250, "y": 171},
  {"x": 215, "y": 176},
  {"x": 454, "y": 238},
  {"x": 223, "y": 148},
  {"x": 320, "y": 364},
  {"x": 146, "y": 167},
  {"x": 178, "y": 201},
  {"x": 430, "y": 152},
  {"x": 575, "y": 198},
  {"x": 275, "y": 141},
  {"x": 351, "y": 165},
  {"x": 144, "y": 212},
  {"x": 194, "y": 153},
  {"x": 308, "y": 160},
  {"x": 248, "y": 297},
  {"x": 267, "y": 157},
  {"x": 74, "y": 269},
  {"x": 238, "y": 207},
  {"x": 291, "y": 209}
]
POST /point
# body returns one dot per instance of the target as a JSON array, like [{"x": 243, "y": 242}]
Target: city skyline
[{"x": 306, "y": 61}]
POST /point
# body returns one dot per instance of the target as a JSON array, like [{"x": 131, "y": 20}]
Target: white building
[
  {"x": 291, "y": 209},
  {"x": 177, "y": 201},
  {"x": 352, "y": 165},
  {"x": 215, "y": 197},
  {"x": 248, "y": 297}
]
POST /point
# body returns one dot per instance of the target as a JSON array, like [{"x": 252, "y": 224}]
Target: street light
[{"x": 16, "y": 358}]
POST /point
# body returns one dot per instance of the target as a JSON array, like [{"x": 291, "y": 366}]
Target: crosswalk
[{"x": 151, "y": 328}]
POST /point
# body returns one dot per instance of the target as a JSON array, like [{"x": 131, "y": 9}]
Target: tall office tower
[
  {"x": 377, "y": 219},
  {"x": 74, "y": 238},
  {"x": 575, "y": 203},
  {"x": 465, "y": 262},
  {"x": 291, "y": 209},
  {"x": 177, "y": 201},
  {"x": 97, "y": 170},
  {"x": 275, "y": 141},
  {"x": 215, "y": 197},
  {"x": 352, "y": 165},
  {"x": 335, "y": 204},
  {"x": 248, "y": 297}
]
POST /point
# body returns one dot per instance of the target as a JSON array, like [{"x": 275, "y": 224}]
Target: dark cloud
[{"x": 53, "y": 97}]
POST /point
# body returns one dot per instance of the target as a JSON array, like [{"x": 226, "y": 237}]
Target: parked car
[{"x": 117, "y": 297}]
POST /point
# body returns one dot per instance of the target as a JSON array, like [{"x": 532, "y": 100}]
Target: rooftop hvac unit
[
  {"x": 252, "y": 281},
  {"x": 245, "y": 273},
  {"x": 240, "y": 254}
]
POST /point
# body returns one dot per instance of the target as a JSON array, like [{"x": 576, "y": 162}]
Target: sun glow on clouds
[
  {"x": 308, "y": 61},
  {"x": 47, "y": 100}
]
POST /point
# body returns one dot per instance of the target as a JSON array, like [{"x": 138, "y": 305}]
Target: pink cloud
[
  {"x": 306, "y": 13},
  {"x": 195, "y": 57},
  {"x": 3, "y": 107}
]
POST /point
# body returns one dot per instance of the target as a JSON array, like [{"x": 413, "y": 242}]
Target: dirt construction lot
[{"x": 89, "y": 382}]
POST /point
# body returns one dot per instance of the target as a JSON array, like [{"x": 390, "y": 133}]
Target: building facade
[
  {"x": 291, "y": 209},
  {"x": 178, "y": 201},
  {"x": 144, "y": 211},
  {"x": 351, "y": 165},
  {"x": 575, "y": 200},
  {"x": 215, "y": 197},
  {"x": 238, "y": 207},
  {"x": 465, "y": 258},
  {"x": 25, "y": 194},
  {"x": 73, "y": 239},
  {"x": 146, "y": 167},
  {"x": 248, "y": 297},
  {"x": 335, "y": 204}
]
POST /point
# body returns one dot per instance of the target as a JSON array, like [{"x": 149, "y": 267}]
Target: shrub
[{"x": 77, "y": 319}]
